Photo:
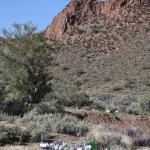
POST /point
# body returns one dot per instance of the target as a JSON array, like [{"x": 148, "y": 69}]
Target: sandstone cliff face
[
  {"x": 80, "y": 11},
  {"x": 76, "y": 12}
]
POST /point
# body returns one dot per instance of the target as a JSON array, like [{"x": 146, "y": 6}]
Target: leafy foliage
[{"x": 26, "y": 55}]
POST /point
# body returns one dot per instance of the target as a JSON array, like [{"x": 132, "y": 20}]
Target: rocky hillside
[
  {"x": 107, "y": 44},
  {"x": 79, "y": 12}
]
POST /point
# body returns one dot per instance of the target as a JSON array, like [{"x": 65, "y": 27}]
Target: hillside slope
[{"x": 107, "y": 44}]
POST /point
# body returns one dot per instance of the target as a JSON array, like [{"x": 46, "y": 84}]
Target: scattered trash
[
  {"x": 44, "y": 145},
  {"x": 92, "y": 145}
]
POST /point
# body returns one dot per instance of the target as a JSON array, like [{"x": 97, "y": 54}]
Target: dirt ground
[
  {"x": 18, "y": 147},
  {"x": 121, "y": 120}
]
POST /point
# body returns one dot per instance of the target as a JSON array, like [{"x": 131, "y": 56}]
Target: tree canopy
[{"x": 26, "y": 58}]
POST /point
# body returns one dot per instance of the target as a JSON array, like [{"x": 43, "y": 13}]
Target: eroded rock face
[
  {"x": 80, "y": 11},
  {"x": 76, "y": 12}
]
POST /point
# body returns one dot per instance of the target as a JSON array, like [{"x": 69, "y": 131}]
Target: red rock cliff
[{"x": 79, "y": 11}]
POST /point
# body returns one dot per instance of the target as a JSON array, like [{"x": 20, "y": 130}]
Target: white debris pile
[{"x": 64, "y": 146}]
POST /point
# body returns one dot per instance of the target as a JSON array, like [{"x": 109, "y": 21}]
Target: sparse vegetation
[
  {"x": 26, "y": 57},
  {"x": 41, "y": 126},
  {"x": 117, "y": 88},
  {"x": 147, "y": 82},
  {"x": 64, "y": 68},
  {"x": 106, "y": 73},
  {"x": 9, "y": 135},
  {"x": 79, "y": 72},
  {"x": 146, "y": 67},
  {"x": 107, "y": 79}
]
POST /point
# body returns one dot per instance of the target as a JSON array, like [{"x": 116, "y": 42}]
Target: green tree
[{"x": 26, "y": 59}]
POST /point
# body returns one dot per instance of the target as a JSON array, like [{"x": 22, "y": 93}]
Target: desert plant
[
  {"x": 72, "y": 125},
  {"x": 79, "y": 72},
  {"x": 107, "y": 79},
  {"x": 13, "y": 134},
  {"x": 41, "y": 126},
  {"x": 147, "y": 82},
  {"x": 107, "y": 136},
  {"x": 64, "y": 68},
  {"x": 94, "y": 145},
  {"x": 146, "y": 67},
  {"x": 142, "y": 140},
  {"x": 6, "y": 117},
  {"x": 14, "y": 107},
  {"x": 26, "y": 56},
  {"x": 129, "y": 83},
  {"x": 117, "y": 88},
  {"x": 144, "y": 102},
  {"x": 71, "y": 97}
]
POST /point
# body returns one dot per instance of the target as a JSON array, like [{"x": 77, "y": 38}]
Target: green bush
[
  {"x": 26, "y": 62},
  {"x": 144, "y": 102},
  {"x": 75, "y": 99},
  {"x": 71, "y": 125},
  {"x": 122, "y": 103},
  {"x": 106, "y": 136},
  {"x": 6, "y": 117},
  {"x": 41, "y": 126},
  {"x": 13, "y": 134},
  {"x": 4, "y": 137}
]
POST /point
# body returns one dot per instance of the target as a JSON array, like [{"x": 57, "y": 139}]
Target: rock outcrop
[{"x": 80, "y": 11}]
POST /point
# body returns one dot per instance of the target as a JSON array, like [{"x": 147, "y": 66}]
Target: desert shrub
[
  {"x": 101, "y": 100},
  {"x": 79, "y": 72},
  {"x": 106, "y": 136},
  {"x": 139, "y": 137},
  {"x": 142, "y": 140},
  {"x": 78, "y": 30},
  {"x": 41, "y": 126},
  {"x": 147, "y": 82},
  {"x": 78, "y": 83},
  {"x": 6, "y": 117},
  {"x": 122, "y": 103},
  {"x": 75, "y": 99},
  {"x": 117, "y": 88},
  {"x": 134, "y": 132},
  {"x": 146, "y": 67},
  {"x": 107, "y": 79},
  {"x": 116, "y": 137},
  {"x": 12, "y": 134},
  {"x": 70, "y": 96},
  {"x": 64, "y": 68},
  {"x": 144, "y": 102},
  {"x": 99, "y": 105},
  {"x": 72, "y": 125},
  {"x": 129, "y": 83},
  {"x": 4, "y": 138},
  {"x": 133, "y": 108},
  {"x": 14, "y": 107}
]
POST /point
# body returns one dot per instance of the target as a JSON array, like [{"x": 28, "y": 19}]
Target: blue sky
[{"x": 40, "y": 12}]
